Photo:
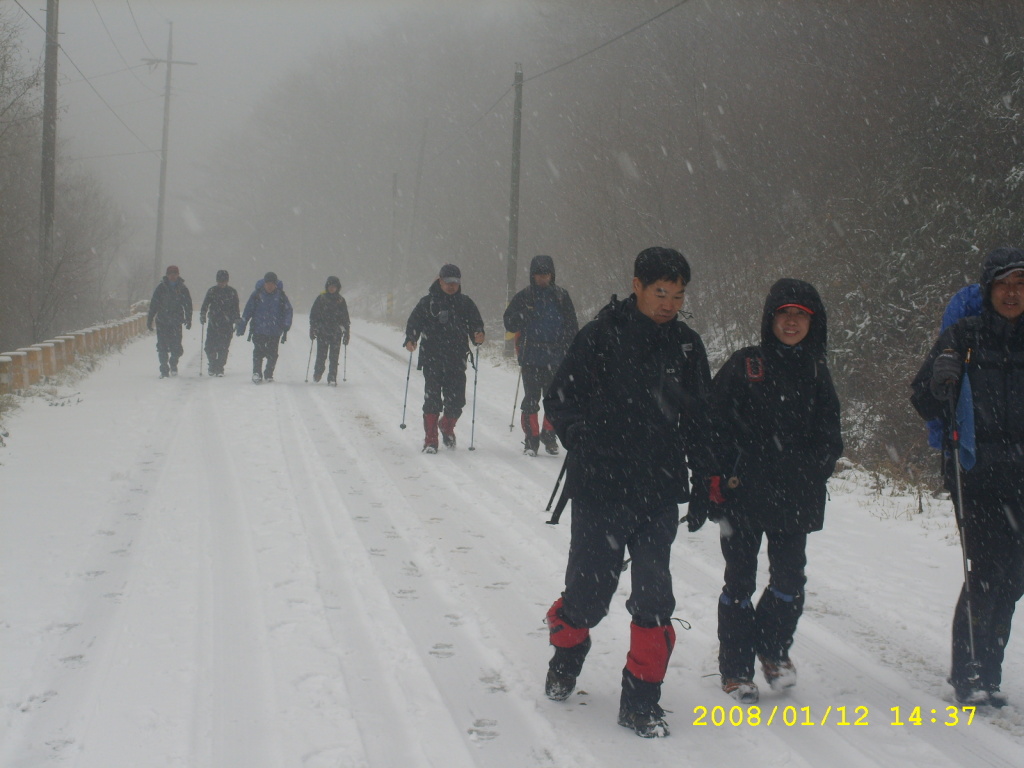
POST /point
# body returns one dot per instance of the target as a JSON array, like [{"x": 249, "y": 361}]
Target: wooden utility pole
[
  {"x": 513, "y": 205},
  {"x": 49, "y": 167},
  {"x": 169, "y": 61}
]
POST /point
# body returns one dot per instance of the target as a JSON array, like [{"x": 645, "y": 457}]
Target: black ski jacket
[
  {"x": 629, "y": 402},
  {"x": 220, "y": 307},
  {"x": 447, "y": 325},
  {"x": 171, "y": 304},
  {"x": 328, "y": 317},
  {"x": 777, "y": 427}
]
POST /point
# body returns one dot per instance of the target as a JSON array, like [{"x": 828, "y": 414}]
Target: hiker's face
[
  {"x": 1008, "y": 295},
  {"x": 661, "y": 300}
]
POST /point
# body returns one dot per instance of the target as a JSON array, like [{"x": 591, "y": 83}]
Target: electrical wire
[
  {"x": 118, "y": 50},
  {"x": 136, "y": 23}
]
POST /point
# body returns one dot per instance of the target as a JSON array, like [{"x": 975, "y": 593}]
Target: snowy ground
[{"x": 206, "y": 573}]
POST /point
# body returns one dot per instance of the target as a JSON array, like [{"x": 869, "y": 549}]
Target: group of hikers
[
  {"x": 268, "y": 313},
  {"x": 646, "y": 428}
]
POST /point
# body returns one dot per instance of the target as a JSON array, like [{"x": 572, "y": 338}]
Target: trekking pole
[
  {"x": 515, "y": 402},
  {"x": 405, "y": 400},
  {"x": 476, "y": 373},
  {"x": 958, "y": 507},
  {"x": 344, "y": 366},
  {"x": 309, "y": 359},
  {"x": 202, "y": 328}
]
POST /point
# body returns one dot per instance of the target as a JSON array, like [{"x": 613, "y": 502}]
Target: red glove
[{"x": 715, "y": 490}]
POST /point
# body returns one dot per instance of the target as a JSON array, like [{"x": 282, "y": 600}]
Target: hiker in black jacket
[
  {"x": 987, "y": 353},
  {"x": 220, "y": 308},
  {"x": 171, "y": 308},
  {"x": 629, "y": 404},
  {"x": 776, "y": 418},
  {"x": 329, "y": 324},
  {"x": 447, "y": 320},
  {"x": 544, "y": 320}
]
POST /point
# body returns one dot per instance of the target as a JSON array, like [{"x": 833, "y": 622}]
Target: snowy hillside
[{"x": 206, "y": 573}]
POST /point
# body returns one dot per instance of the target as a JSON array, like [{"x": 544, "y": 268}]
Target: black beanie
[
  {"x": 270, "y": 277},
  {"x": 222, "y": 275}
]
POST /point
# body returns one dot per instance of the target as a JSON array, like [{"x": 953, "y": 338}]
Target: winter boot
[
  {"x": 447, "y": 427},
  {"x": 571, "y": 647},
  {"x": 531, "y": 430},
  {"x": 646, "y": 663},
  {"x": 780, "y": 674},
  {"x": 744, "y": 691},
  {"x": 257, "y": 378},
  {"x": 547, "y": 436},
  {"x": 430, "y": 433}
]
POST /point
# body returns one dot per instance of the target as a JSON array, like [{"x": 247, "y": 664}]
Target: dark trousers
[
  {"x": 995, "y": 547},
  {"x": 218, "y": 340},
  {"x": 536, "y": 379},
  {"x": 767, "y": 630},
  {"x": 264, "y": 346},
  {"x": 601, "y": 534},
  {"x": 327, "y": 345},
  {"x": 168, "y": 346},
  {"x": 444, "y": 387}
]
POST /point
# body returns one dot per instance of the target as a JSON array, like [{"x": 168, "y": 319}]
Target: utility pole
[
  {"x": 158, "y": 257},
  {"x": 513, "y": 205},
  {"x": 48, "y": 181}
]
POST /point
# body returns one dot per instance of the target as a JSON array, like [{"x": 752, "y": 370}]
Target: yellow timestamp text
[{"x": 755, "y": 716}]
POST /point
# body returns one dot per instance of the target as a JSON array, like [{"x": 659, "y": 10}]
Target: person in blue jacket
[
  {"x": 271, "y": 314},
  {"x": 544, "y": 320},
  {"x": 967, "y": 302}
]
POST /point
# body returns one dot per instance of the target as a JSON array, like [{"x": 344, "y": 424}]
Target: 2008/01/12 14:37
[{"x": 790, "y": 715}]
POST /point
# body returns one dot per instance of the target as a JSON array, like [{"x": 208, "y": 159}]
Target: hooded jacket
[
  {"x": 328, "y": 317},
  {"x": 992, "y": 349},
  {"x": 171, "y": 304},
  {"x": 629, "y": 402},
  {"x": 271, "y": 313},
  {"x": 446, "y": 323},
  {"x": 544, "y": 318},
  {"x": 220, "y": 307},
  {"x": 776, "y": 419}
]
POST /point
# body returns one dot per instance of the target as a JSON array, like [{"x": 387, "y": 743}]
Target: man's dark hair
[{"x": 657, "y": 263}]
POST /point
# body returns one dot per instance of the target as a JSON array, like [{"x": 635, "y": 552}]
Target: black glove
[
  {"x": 284, "y": 337},
  {"x": 312, "y": 335},
  {"x": 188, "y": 325},
  {"x": 202, "y": 319},
  {"x": 945, "y": 375},
  {"x": 576, "y": 436},
  {"x": 149, "y": 326},
  {"x": 345, "y": 339},
  {"x": 239, "y": 328}
]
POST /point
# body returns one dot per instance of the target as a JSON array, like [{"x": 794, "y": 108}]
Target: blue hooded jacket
[{"x": 271, "y": 313}]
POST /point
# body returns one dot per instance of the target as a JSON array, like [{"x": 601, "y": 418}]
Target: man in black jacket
[
  {"x": 171, "y": 308},
  {"x": 629, "y": 403},
  {"x": 977, "y": 368},
  {"x": 329, "y": 324},
  {"x": 544, "y": 319},
  {"x": 220, "y": 307},
  {"x": 447, "y": 320}
]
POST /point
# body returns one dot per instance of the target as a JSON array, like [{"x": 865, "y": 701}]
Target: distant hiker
[
  {"x": 544, "y": 319},
  {"x": 271, "y": 314},
  {"x": 171, "y": 307},
  {"x": 221, "y": 308},
  {"x": 977, "y": 368},
  {"x": 329, "y": 325},
  {"x": 629, "y": 403},
  {"x": 447, "y": 320},
  {"x": 776, "y": 418}
]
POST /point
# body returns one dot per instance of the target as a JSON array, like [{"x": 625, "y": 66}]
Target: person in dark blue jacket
[
  {"x": 544, "y": 320},
  {"x": 271, "y": 314},
  {"x": 170, "y": 308},
  {"x": 986, "y": 352}
]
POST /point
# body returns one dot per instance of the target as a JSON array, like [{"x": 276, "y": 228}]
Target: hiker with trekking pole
[
  {"x": 329, "y": 326},
  {"x": 219, "y": 313},
  {"x": 973, "y": 379},
  {"x": 543, "y": 318},
  {"x": 441, "y": 325}
]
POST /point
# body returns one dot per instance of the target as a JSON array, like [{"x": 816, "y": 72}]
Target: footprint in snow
[
  {"x": 481, "y": 730},
  {"x": 442, "y": 650}
]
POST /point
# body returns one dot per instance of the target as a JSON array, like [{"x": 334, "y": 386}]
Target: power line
[
  {"x": 88, "y": 82},
  {"x": 118, "y": 50},
  {"x": 136, "y": 23}
]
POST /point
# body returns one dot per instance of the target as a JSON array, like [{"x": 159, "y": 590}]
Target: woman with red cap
[{"x": 776, "y": 417}]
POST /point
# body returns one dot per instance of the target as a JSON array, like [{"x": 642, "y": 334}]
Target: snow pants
[
  {"x": 602, "y": 532},
  {"x": 994, "y": 538},
  {"x": 168, "y": 346},
  {"x": 444, "y": 387},
  {"x": 264, "y": 347},
  {"x": 744, "y": 631},
  {"x": 327, "y": 345},
  {"x": 536, "y": 379},
  {"x": 218, "y": 340}
]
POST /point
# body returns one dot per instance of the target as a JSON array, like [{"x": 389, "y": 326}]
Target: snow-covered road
[{"x": 206, "y": 573}]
